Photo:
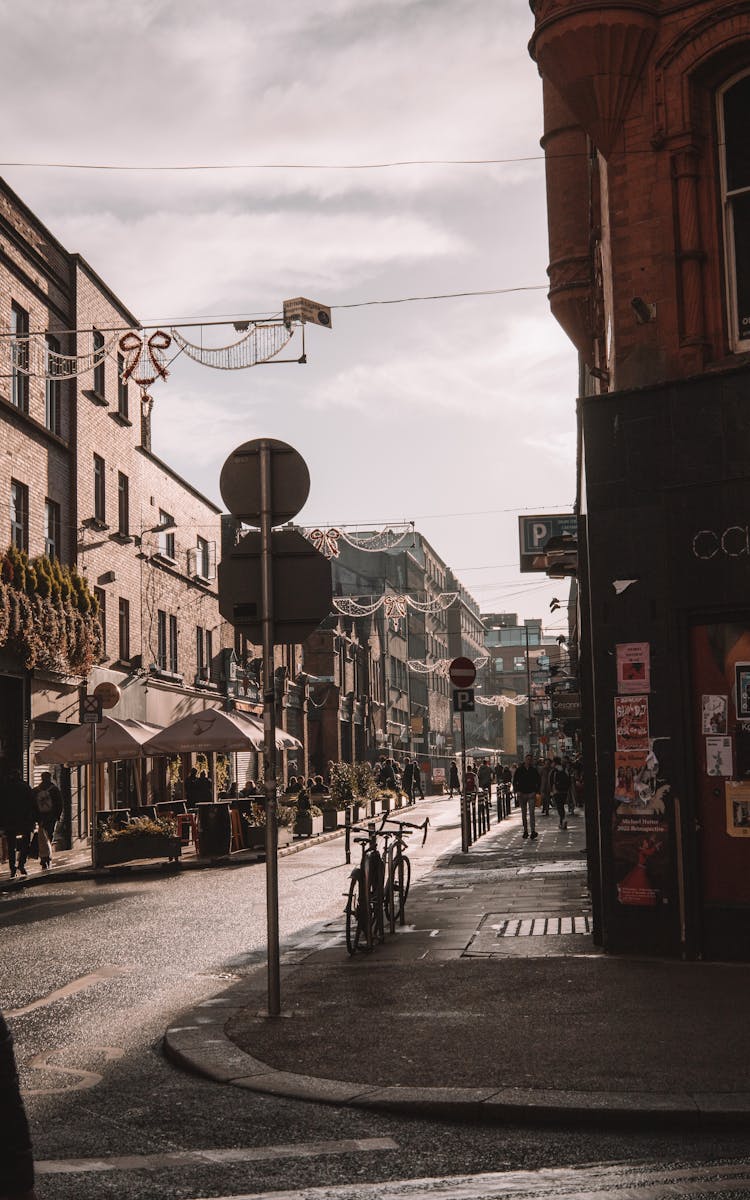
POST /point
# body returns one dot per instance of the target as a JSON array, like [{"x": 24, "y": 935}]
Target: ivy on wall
[{"x": 48, "y": 616}]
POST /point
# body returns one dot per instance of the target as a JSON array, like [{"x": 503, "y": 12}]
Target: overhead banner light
[{"x": 309, "y": 312}]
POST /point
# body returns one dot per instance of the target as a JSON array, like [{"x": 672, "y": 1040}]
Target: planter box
[
  {"x": 331, "y": 819},
  {"x": 133, "y": 848},
  {"x": 308, "y": 826},
  {"x": 377, "y": 807},
  {"x": 254, "y": 837},
  {"x": 387, "y": 803}
]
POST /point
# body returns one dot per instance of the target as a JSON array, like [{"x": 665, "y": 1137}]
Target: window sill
[
  {"x": 157, "y": 556},
  {"x": 168, "y": 676},
  {"x": 119, "y": 418},
  {"x": 206, "y": 685},
  {"x": 122, "y": 539},
  {"x": 95, "y": 523},
  {"x": 95, "y": 398}
]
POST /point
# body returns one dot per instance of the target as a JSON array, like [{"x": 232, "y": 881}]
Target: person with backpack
[
  {"x": 48, "y": 806},
  {"x": 560, "y": 785}
]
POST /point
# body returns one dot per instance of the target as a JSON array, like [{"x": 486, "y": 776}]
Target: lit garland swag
[{"x": 48, "y": 615}]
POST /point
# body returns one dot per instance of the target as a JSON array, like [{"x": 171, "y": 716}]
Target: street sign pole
[
  {"x": 464, "y": 809},
  {"x": 269, "y": 729}
]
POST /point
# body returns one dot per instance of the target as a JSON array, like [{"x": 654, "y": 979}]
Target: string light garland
[
  {"x": 394, "y": 605},
  {"x": 327, "y": 540},
  {"x": 501, "y": 701},
  {"x": 260, "y": 344},
  {"x": 441, "y": 666}
]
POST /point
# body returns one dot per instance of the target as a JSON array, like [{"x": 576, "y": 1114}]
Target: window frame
[
  {"x": 161, "y": 639},
  {"x": 19, "y": 384},
  {"x": 123, "y": 629},
  {"x": 52, "y": 386},
  {"x": 123, "y": 504},
  {"x": 738, "y": 344},
  {"x": 100, "y": 380},
  {"x": 52, "y": 528},
  {"x": 101, "y": 597},
  {"x": 100, "y": 489},
  {"x": 166, "y": 535},
  {"x": 19, "y": 514},
  {"x": 122, "y": 390}
]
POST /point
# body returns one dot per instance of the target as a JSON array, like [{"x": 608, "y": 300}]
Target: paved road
[{"x": 95, "y": 972}]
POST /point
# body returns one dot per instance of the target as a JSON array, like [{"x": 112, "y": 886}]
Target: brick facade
[{"x": 649, "y": 276}]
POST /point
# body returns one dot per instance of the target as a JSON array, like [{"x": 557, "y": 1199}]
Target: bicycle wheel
[
  {"x": 399, "y": 886},
  {"x": 377, "y": 924},
  {"x": 353, "y": 912}
]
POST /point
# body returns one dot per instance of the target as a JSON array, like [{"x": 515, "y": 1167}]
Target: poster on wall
[
  {"x": 628, "y": 767},
  {"x": 633, "y": 667},
  {"x": 742, "y": 690},
  {"x": 631, "y": 723},
  {"x": 719, "y": 756},
  {"x": 738, "y": 808},
  {"x": 714, "y": 714}
]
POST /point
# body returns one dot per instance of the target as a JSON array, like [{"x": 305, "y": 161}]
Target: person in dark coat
[
  {"x": 526, "y": 782},
  {"x": 48, "y": 806},
  {"x": 17, "y": 819},
  {"x": 192, "y": 788},
  {"x": 387, "y": 775},
  {"x": 454, "y": 783},
  {"x": 16, "y": 1158}
]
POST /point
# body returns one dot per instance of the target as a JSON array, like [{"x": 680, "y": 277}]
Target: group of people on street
[
  {"x": 551, "y": 781},
  {"x": 389, "y": 773},
  {"x": 28, "y": 817}
]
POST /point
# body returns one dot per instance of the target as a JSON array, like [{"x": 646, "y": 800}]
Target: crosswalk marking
[
  {"x": 203, "y": 1158},
  {"x": 538, "y": 926}
]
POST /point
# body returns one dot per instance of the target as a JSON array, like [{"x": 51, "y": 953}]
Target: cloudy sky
[{"x": 455, "y": 413}]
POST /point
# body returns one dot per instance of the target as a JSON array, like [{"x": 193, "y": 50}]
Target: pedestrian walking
[
  {"x": 48, "y": 806},
  {"x": 526, "y": 783},
  {"x": 560, "y": 784},
  {"x": 470, "y": 787},
  {"x": 545, "y": 789},
  {"x": 17, "y": 820},
  {"x": 484, "y": 776},
  {"x": 454, "y": 783},
  {"x": 387, "y": 775},
  {"x": 411, "y": 780},
  {"x": 16, "y": 1158}
]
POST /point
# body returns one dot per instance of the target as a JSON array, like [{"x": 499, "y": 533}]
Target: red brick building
[
  {"x": 82, "y": 485},
  {"x": 646, "y": 139}
]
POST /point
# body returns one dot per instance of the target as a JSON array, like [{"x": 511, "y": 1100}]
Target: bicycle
[
  {"x": 398, "y": 869},
  {"x": 364, "y": 905}
]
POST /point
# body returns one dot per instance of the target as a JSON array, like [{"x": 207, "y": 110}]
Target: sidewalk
[{"x": 491, "y": 1004}]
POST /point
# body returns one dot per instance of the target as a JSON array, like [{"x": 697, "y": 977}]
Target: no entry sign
[{"x": 462, "y": 672}]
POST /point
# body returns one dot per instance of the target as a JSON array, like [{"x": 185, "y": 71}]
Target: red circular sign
[{"x": 462, "y": 672}]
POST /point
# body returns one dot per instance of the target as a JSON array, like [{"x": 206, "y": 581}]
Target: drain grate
[{"x": 541, "y": 926}]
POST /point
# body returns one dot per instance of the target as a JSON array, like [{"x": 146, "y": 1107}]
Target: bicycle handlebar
[{"x": 409, "y": 825}]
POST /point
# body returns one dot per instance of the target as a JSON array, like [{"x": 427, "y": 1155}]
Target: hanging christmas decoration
[
  {"x": 501, "y": 701},
  {"x": 395, "y": 604},
  {"x": 395, "y": 607},
  {"x": 34, "y": 356},
  {"x": 327, "y": 540},
  {"x": 441, "y": 666},
  {"x": 259, "y": 345},
  {"x": 144, "y": 357}
]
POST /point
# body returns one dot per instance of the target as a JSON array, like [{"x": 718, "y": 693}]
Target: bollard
[{"x": 348, "y": 834}]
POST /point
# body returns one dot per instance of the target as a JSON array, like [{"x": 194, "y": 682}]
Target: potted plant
[
  {"x": 309, "y": 822},
  {"x": 143, "y": 837},
  {"x": 255, "y": 825}
]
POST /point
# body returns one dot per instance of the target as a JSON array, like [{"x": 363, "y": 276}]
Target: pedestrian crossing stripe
[{"x": 538, "y": 926}]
